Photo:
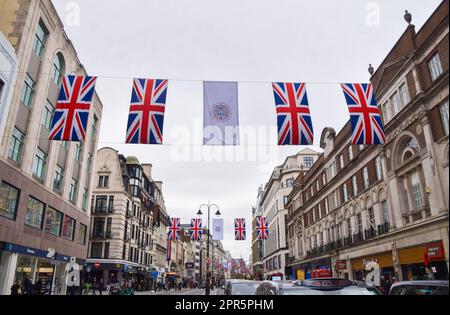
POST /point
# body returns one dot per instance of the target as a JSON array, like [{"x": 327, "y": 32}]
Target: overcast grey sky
[{"x": 228, "y": 40}]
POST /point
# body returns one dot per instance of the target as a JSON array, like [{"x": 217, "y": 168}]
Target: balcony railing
[
  {"x": 103, "y": 234},
  {"x": 102, "y": 211}
]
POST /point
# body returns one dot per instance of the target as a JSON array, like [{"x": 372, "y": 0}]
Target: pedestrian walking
[
  {"x": 15, "y": 288},
  {"x": 38, "y": 287},
  {"x": 28, "y": 287}
]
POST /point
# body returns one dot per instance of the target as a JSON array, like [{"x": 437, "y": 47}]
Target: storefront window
[
  {"x": 25, "y": 269},
  {"x": 9, "y": 199},
  {"x": 35, "y": 213},
  {"x": 53, "y": 222},
  {"x": 68, "y": 228}
]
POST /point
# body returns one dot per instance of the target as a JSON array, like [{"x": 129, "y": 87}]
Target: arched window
[
  {"x": 407, "y": 149},
  {"x": 58, "y": 68}
]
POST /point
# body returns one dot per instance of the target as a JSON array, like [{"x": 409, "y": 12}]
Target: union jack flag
[
  {"x": 262, "y": 228},
  {"x": 72, "y": 110},
  {"x": 367, "y": 127},
  {"x": 174, "y": 229},
  {"x": 148, "y": 105},
  {"x": 239, "y": 230},
  {"x": 196, "y": 229},
  {"x": 294, "y": 119}
]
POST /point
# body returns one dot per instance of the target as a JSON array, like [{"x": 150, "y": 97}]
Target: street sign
[{"x": 340, "y": 265}]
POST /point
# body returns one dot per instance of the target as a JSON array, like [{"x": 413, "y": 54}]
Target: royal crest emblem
[{"x": 221, "y": 112}]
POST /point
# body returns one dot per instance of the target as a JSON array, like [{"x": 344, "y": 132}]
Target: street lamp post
[{"x": 199, "y": 213}]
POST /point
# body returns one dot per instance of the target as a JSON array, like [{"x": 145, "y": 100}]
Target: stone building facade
[
  {"x": 124, "y": 228},
  {"x": 274, "y": 202},
  {"x": 388, "y": 203},
  {"x": 45, "y": 185}
]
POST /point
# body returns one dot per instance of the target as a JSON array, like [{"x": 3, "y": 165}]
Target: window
[
  {"x": 47, "y": 115},
  {"x": 417, "y": 191},
  {"x": 9, "y": 201},
  {"x": 34, "y": 213},
  {"x": 349, "y": 227},
  {"x": 28, "y": 91},
  {"x": 101, "y": 203},
  {"x": 404, "y": 95},
  {"x": 341, "y": 161},
  {"x": 106, "y": 251},
  {"x": 58, "y": 69},
  {"x": 324, "y": 179},
  {"x": 333, "y": 169},
  {"x": 366, "y": 177},
  {"x": 78, "y": 152},
  {"x": 359, "y": 222},
  {"x": 73, "y": 191},
  {"x": 386, "y": 113},
  {"x": 395, "y": 101},
  {"x": 378, "y": 169},
  {"x": 317, "y": 185},
  {"x": 385, "y": 211},
  {"x": 308, "y": 161},
  {"x": 16, "y": 146},
  {"x": 85, "y": 200},
  {"x": 289, "y": 182},
  {"x": 82, "y": 231},
  {"x": 59, "y": 179},
  {"x": 103, "y": 181},
  {"x": 355, "y": 186},
  {"x": 89, "y": 163},
  {"x": 435, "y": 67},
  {"x": 98, "y": 227},
  {"x": 94, "y": 127},
  {"x": 335, "y": 199},
  {"x": 39, "y": 39},
  {"x": 344, "y": 188},
  {"x": 350, "y": 153},
  {"x": 53, "y": 221},
  {"x": 68, "y": 228},
  {"x": 285, "y": 200},
  {"x": 39, "y": 163},
  {"x": 96, "y": 250},
  {"x": 371, "y": 217},
  {"x": 444, "y": 117},
  {"x": 326, "y": 205},
  {"x": 111, "y": 203}
]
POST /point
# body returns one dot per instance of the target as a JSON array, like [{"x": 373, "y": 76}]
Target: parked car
[
  {"x": 240, "y": 287},
  {"x": 429, "y": 287},
  {"x": 322, "y": 286}
]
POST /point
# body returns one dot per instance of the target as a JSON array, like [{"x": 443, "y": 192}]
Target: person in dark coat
[
  {"x": 15, "y": 288},
  {"x": 28, "y": 287},
  {"x": 38, "y": 287}
]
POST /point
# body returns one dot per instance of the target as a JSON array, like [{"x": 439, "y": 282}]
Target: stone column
[
  {"x": 396, "y": 262},
  {"x": 8, "y": 263},
  {"x": 435, "y": 193}
]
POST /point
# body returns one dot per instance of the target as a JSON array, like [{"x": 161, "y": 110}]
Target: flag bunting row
[
  {"x": 221, "y": 112},
  {"x": 196, "y": 230}
]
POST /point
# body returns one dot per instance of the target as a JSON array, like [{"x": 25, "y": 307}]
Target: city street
[{"x": 176, "y": 292}]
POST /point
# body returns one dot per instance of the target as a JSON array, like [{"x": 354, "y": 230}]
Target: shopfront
[
  {"x": 424, "y": 262},
  {"x": 37, "y": 271},
  {"x": 305, "y": 270},
  {"x": 384, "y": 260}
]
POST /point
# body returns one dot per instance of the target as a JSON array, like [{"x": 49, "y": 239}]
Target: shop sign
[
  {"x": 25, "y": 250},
  {"x": 435, "y": 251},
  {"x": 189, "y": 266},
  {"x": 51, "y": 253},
  {"x": 62, "y": 258},
  {"x": 341, "y": 265}
]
